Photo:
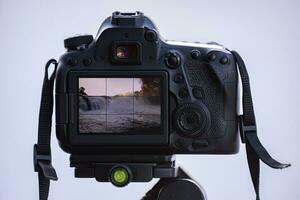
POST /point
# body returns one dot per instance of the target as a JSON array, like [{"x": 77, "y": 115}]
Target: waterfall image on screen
[{"x": 119, "y": 105}]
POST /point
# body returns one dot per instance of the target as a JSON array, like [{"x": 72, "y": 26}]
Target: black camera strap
[
  {"x": 255, "y": 150},
  {"x": 42, "y": 150}
]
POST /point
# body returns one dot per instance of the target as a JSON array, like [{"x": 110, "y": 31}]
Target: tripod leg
[{"x": 182, "y": 187}]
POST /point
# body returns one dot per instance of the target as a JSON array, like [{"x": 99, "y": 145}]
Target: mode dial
[{"x": 73, "y": 43}]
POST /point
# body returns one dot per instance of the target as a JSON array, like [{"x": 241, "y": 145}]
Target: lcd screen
[{"x": 119, "y": 105}]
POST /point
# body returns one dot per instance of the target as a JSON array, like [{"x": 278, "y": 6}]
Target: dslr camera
[{"x": 128, "y": 100}]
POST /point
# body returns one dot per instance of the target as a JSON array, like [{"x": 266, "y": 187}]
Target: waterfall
[{"x": 91, "y": 103}]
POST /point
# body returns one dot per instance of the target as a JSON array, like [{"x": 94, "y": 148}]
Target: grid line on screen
[
  {"x": 106, "y": 104},
  {"x": 133, "y": 102}
]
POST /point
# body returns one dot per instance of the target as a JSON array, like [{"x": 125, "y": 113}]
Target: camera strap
[
  {"x": 255, "y": 150},
  {"x": 42, "y": 150}
]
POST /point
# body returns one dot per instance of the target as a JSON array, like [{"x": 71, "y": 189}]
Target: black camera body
[
  {"x": 127, "y": 101},
  {"x": 129, "y": 92}
]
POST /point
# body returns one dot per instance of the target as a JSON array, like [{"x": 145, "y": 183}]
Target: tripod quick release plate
[{"x": 123, "y": 169}]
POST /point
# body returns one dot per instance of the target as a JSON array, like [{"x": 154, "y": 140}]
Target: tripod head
[{"x": 178, "y": 188}]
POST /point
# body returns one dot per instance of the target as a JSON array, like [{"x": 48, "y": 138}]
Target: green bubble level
[{"x": 120, "y": 176}]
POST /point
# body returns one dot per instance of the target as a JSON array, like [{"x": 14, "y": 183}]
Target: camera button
[
  {"x": 212, "y": 56},
  {"x": 224, "y": 60},
  {"x": 150, "y": 35},
  {"x": 87, "y": 61},
  {"x": 72, "y": 61},
  {"x": 198, "y": 144},
  {"x": 183, "y": 93},
  {"x": 195, "y": 54},
  {"x": 179, "y": 143},
  {"x": 172, "y": 60},
  {"x": 198, "y": 93},
  {"x": 178, "y": 78}
]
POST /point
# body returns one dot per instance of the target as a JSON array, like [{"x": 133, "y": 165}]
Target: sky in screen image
[{"x": 113, "y": 86}]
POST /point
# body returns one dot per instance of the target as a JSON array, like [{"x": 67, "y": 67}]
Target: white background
[{"x": 266, "y": 33}]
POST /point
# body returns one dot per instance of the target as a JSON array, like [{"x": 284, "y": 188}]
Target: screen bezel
[{"x": 76, "y": 137}]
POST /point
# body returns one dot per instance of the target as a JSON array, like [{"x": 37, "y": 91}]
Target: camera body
[{"x": 129, "y": 92}]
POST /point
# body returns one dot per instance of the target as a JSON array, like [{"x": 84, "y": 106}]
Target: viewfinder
[{"x": 126, "y": 52}]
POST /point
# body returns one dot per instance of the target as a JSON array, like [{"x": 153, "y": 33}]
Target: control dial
[{"x": 192, "y": 119}]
